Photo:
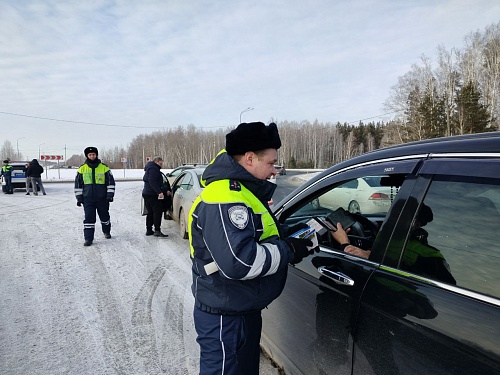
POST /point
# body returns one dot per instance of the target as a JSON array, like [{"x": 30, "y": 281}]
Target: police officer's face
[
  {"x": 261, "y": 165},
  {"x": 92, "y": 155}
]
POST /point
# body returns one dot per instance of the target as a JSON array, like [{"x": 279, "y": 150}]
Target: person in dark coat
[
  {"x": 156, "y": 192},
  {"x": 28, "y": 179},
  {"x": 95, "y": 189},
  {"x": 34, "y": 172}
]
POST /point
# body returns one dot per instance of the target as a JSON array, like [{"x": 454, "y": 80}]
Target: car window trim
[
  {"x": 451, "y": 288},
  {"x": 328, "y": 250},
  {"x": 465, "y": 155}
]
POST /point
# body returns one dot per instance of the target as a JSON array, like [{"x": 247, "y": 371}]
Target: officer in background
[
  {"x": 95, "y": 188},
  {"x": 7, "y": 175},
  {"x": 239, "y": 254}
]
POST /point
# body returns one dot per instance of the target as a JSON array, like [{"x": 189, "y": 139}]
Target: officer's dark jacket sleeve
[
  {"x": 79, "y": 187},
  {"x": 238, "y": 252},
  {"x": 110, "y": 184}
]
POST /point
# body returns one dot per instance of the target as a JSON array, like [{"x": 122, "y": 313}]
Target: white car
[
  {"x": 185, "y": 189},
  {"x": 177, "y": 171},
  {"x": 364, "y": 195}
]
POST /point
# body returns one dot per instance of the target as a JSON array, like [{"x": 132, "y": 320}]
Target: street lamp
[
  {"x": 41, "y": 144},
  {"x": 17, "y": 143},
  {"x": 245, "y": 110}
]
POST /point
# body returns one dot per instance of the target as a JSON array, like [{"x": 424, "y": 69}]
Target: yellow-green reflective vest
[
  {"x": 218, "y": 192},
  {"x": 100, "y": 174}
]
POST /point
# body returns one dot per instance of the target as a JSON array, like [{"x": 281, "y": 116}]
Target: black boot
[
  {"x": 107, "y": 235},
  {"x": 158, "y": 233},
  {"x": 87, "y": 243},
  {"x": 149, "y": 232}
]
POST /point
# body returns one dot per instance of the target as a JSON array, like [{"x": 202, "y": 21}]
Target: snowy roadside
[
  {"x": 68, "y": 175},
  {"x": 123, "y": 305}
]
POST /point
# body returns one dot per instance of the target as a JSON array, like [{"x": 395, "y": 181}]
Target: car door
[
  {"x": 438, "y": 313},
  {"x": 309, "y": 328},
  {"x": 177, "y": 193}
]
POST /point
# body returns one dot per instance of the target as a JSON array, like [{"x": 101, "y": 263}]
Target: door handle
[{"x": 339, "y": 277}]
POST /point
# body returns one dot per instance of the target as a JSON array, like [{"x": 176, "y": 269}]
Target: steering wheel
[{"x": 366, "y": 225}]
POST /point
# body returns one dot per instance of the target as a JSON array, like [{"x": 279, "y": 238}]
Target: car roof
[
  {"x": 195, "y": 164},
  {"x": 197, "y": 171},
  {"x": 18, "y": 163}
]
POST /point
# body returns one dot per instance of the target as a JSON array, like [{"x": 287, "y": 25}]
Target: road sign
[{"x": 51, "y": 157}]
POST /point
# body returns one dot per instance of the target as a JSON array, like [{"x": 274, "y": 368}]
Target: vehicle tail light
[{"x": 379, "y": 196}]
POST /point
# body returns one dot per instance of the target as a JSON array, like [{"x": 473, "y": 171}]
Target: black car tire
[{"x": 354, "y": 207}]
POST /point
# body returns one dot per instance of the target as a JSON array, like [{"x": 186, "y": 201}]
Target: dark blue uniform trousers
[
  {"x": 229, "y": 344},
  {"x": 8, "y": 183},
  {"x": 90, "y": 208}
]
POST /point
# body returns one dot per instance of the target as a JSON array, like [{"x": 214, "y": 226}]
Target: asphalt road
[{"x": 288, "y": 183}]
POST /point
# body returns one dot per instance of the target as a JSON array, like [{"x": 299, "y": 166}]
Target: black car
[{"x": 427, "y": 298}]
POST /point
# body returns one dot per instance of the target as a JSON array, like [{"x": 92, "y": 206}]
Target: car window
[
  {"x": 176, "y": 172},
  {"x": 454, "y": 236},
  {"x": 356, "y": 196},
  {"x": 187, "y": 182},
  {"x": 367, "y": 204},
  {"x": 179, "y": 182},
  {"x": 352, "y": 184},
  {"x": 199, "y": 176}
]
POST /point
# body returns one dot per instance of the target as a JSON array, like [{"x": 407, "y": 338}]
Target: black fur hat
[
  {"x": 252, "y": 136},
  {"x": 425, "y": 215},
  {"x": 90, "y": 149}
]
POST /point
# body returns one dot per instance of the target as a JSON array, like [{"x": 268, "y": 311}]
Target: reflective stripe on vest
[
  {"x": 218, "y": 192},
  {"x": 100, "y": 172}
]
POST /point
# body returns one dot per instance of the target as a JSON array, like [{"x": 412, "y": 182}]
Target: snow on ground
[
  {"x": 62, "y": 175},
  {"x": 120, "y": 306}
]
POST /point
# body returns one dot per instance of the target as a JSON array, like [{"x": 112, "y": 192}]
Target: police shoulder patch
[{"x": 238, "y": 216}]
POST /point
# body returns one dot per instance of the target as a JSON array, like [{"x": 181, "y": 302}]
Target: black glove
[
  {"x": 295, "y": 228},
  {"x": 79, "y": 203},
  {"x": 299, "y": 248},
  {"x": 110, "y": 199}
]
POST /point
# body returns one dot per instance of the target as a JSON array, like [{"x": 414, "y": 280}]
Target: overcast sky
[{"x": 132, "y": 67}]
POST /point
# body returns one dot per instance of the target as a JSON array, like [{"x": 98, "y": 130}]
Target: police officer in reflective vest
[
  {"x": 7, "y": 175},
  {"x": 95, "y": 189},
  {"x": 238, "y": 250}
]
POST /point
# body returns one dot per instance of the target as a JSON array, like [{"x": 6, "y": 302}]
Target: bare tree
[{"x": 8, "y": 151}]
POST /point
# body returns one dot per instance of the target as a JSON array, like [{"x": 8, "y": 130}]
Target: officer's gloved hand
[
  {"x": 79, "y": 203},
  {"x": 295, "y": 228},
  {"x": 299, "y": 248},
  {"x": 110, "y": 199}
]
